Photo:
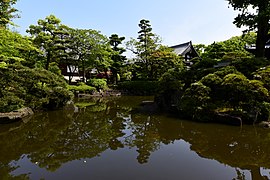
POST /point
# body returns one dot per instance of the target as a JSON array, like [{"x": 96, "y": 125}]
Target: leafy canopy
[
  {"x": 255, "y": 15},
  {"x": 7, "y": 12}
]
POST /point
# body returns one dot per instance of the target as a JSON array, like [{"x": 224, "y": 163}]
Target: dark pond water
[{"x": 111, "y": 140}]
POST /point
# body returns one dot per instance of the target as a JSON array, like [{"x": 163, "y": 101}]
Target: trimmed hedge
[
  {"x": 99, "y": 84},
  {"x": 139, "y": 87},
  {"x": 81, "y": 88}
]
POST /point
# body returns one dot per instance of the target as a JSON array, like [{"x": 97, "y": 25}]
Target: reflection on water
[{"x": 109, "y": 139}]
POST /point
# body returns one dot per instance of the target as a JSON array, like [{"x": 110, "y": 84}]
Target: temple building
[{"x": 186, "y": 50}]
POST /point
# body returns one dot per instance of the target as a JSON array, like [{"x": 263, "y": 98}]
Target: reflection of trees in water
[
  {"x": 88, "y": 134},
  {"x": 144, "y": 136},
  {"x": 240, "y": 175},
  {"x": 53, "y": 138},
  {"x": 6, "y": 175},
  {"x": 245, "y": 149}
]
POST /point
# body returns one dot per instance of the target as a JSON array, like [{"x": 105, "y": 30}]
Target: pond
[{"x": 112, "y": 138}]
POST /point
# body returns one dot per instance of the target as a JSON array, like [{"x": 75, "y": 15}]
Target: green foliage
[
  {"x": 258, "y": 90},
  {"x": 250, "y": 37},
  {"x": 53, "y": 67},
  {"x": 99, "y": 84},
  {"x": 204, "y": 63},
  {"x": 3, "y": 65},
  {"x": 170, "y": 89},
  {"x": 212, "y": 80},
  {"x": 145, "y": 45},
  {"x": 265, "y": 110},
  {"x": 225, "y": 90},
  {"x": 246, "y": 96},
  {"x": 214, "y": 51},
  {"x": 170, "y": 82},
  {"x": 227, "y": 70},
  {"x": 199, "y": 48},
  {"x": 51, "y": 37},
  {"x": 147, "y": 42},
  {"x": 118, "y": 58},
  {"x": 263, "y": 74},
  {"x": 7, "y": 12},
  {"x": 81, "y": 88},
  {"x": 89, "y": 49},
  {"x": 14, "y": 47},
  {"x": 195, "y": 100},
  {"x": 236, "y": 87},
  {"x": 254, "y": 20},
  {"x": 233, "y": 48},
  {"x": 139, "y": 87},
  {"x": 249, "y": 65},
  {"x": 83, "y": 104},
  {"x": 126, "y": 75},
  {"x": 35, "y": 88},
  {"x": 162, "y": 60},
  {"x": 10, "y": 102}
]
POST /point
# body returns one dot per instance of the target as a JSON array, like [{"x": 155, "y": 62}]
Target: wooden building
[
  {"x": 252, "y": 49},
  {"x": 187, "y": 51}
]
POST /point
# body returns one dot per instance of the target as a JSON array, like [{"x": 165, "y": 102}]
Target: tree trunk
[
  {"x": 83, "y": 63},
  {"x": 48, "y": 60},
  {"x": 114, "y": 72},
  {"x": 256, "y": 173},
  {"x": 106, "y": 75},
  {"x": 262, "y": 30}
]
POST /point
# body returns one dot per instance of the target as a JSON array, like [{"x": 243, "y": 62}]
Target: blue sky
[{"x": 176, "y": 21}]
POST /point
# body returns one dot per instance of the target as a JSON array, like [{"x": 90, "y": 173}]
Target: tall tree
[
  {"x": 162, "y": 60},
  {"x": 146, "y": 43},
  {"x": 146, "y": 39},
  {"x": 118, "y": 58},
  {"x": 80, "y": 48},
  {"x": 258, "y": 20},
  {"x": 7, "y": 12},
  {"x": 90, "y": 49},
  {"x": 50, "y": 36}
]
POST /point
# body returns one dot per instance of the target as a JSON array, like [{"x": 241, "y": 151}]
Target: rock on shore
[{"x": 16, "y": 115}]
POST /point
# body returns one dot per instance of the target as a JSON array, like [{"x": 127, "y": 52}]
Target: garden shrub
[
  {"x": 195, "y": 100},
  {"x": 81, "y": 87},
  {"x": 10, "y": 102},
  {"x": 249, "y": 65},
  {"x": 139, "y": 87},
  {"x": 35, "y": 88},
  {"x": 263, "y": 74},
  {"x": 99, "y": 84}
]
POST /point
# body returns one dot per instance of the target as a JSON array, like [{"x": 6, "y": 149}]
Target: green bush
[
  {"x": 99, "y": 84},
  {"x": 195, "y": 100},
  {"x": 170, "y": 82},
  {"x": 263, "y": 74},
  {"x": 249, "y": 65},
  {"x": 10, "y": 102},
  {"x": 139, "y": 87},
  {"x": 35, "y": 88},
  {"x": 84, "y": 104},
  {"x": 226, "y": 70},
  {"x": 81, "y": 88},
  {"x": 58, "y": 98}
]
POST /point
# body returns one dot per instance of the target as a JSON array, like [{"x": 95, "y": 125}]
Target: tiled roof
[{"x": 182, "y": 49}]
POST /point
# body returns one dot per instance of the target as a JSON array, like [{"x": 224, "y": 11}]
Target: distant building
[
  {"x": 186, "y": 50},
  {"x": 71, "y": 73},
  {"x": 252, "y": 49}
]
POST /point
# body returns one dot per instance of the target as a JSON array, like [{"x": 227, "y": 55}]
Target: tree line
[{"x": 31, "y": 74}]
